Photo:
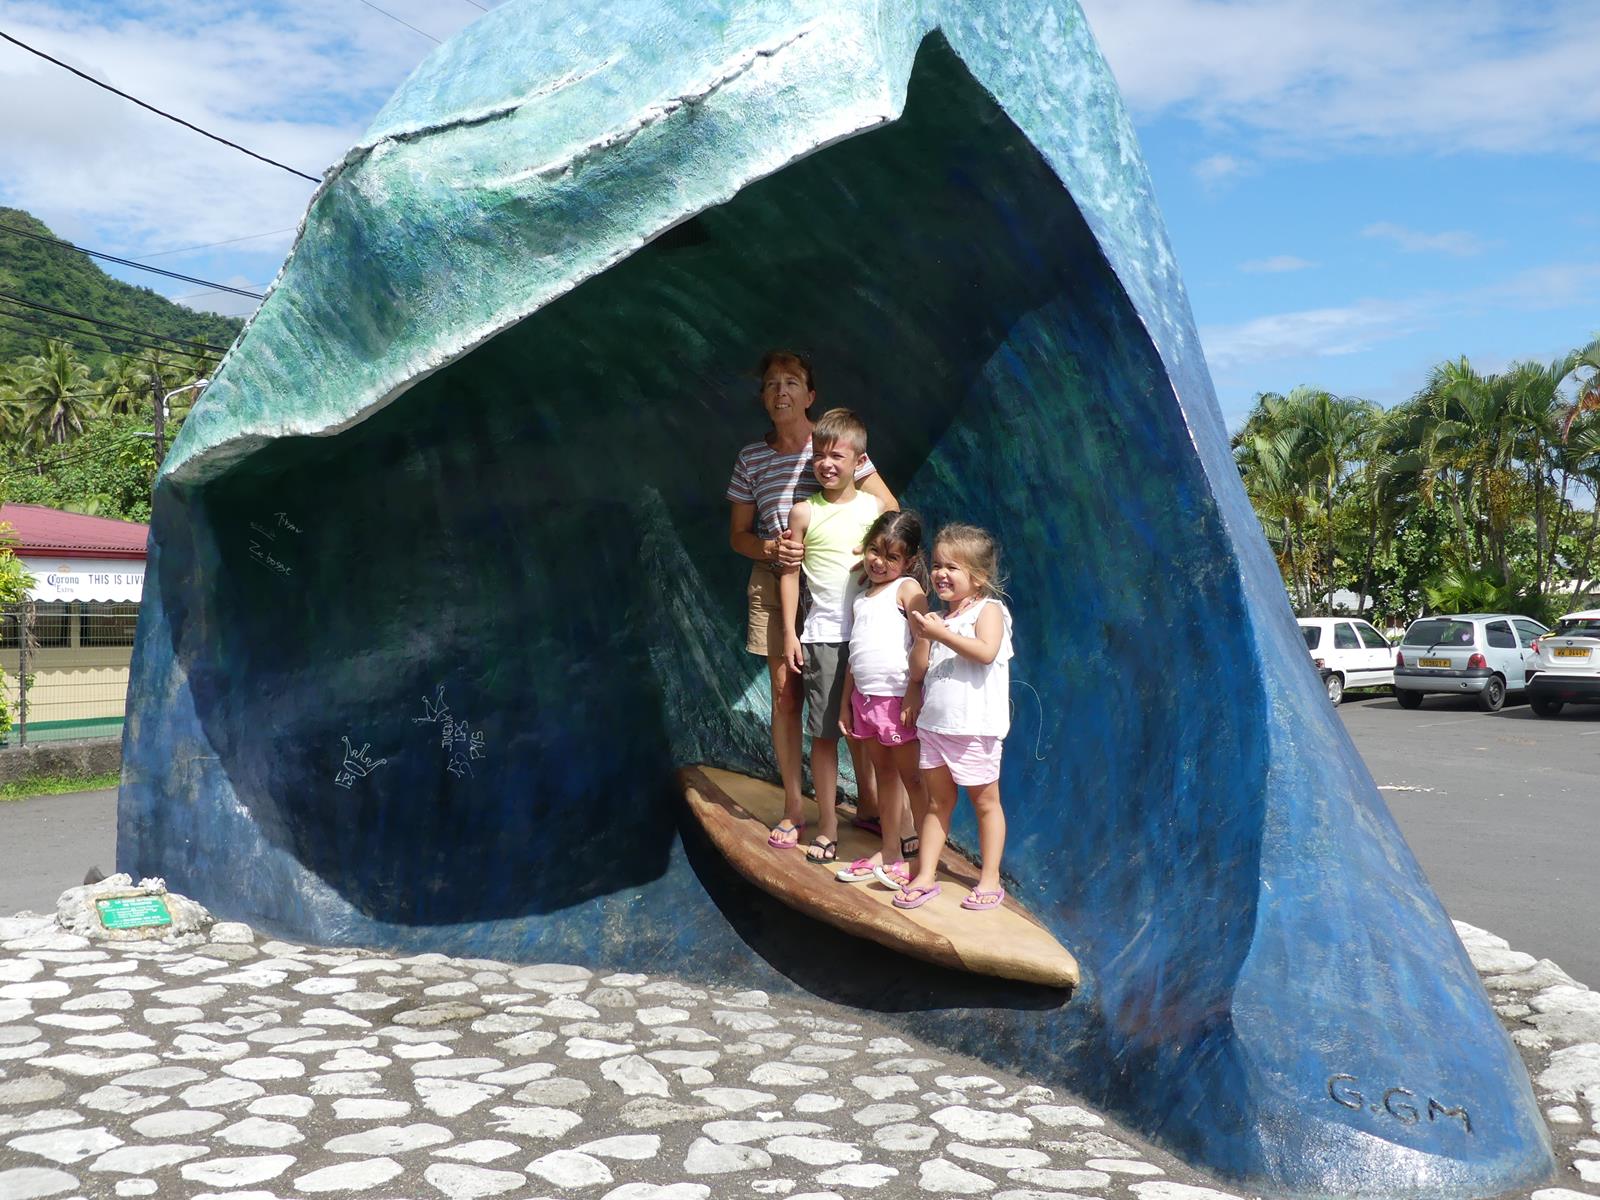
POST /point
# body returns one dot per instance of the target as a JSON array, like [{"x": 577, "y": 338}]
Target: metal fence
[{"x": 65, "y": 669}]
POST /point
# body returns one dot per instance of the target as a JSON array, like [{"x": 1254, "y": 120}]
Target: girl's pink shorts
[
  {"x": 877, "y": 718},
  {"x": 973, "y": 761}
]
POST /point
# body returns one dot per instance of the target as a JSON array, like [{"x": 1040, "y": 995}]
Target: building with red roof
[{"x": 88, "y": 579}]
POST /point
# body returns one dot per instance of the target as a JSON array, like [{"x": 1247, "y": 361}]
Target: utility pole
[{"x": 159, "y": 394}]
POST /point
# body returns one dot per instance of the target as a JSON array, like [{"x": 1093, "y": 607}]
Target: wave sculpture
[{"x": 439, "y": 592}]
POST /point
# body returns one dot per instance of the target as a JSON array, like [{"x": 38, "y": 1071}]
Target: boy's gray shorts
[{"x": 824, "y": 686}]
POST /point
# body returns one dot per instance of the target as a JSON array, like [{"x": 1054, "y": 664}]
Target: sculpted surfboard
[{"x": 736, "y": 813}]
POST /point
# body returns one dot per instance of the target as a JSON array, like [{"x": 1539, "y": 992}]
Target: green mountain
[{"x": 70, "y": 280}]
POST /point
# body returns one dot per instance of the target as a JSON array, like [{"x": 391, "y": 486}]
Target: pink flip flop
[
  {"x": 859, "y": 871},
  {"x": 978, "y": 900},
  {"x": 915, "y": 897},
  {"x": 777, "y": 838},
  {"x": 896, "y": 875}
]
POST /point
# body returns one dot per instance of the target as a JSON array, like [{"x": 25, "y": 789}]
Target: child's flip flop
[
  {"x": 826, "y": 850},
  {"x": 857, "y": 872},
  {"x": 778, "y": 838},
  {"x": 915, "y": 897},
  {"x": 894, "y": 876},
  {"x": 977, "y": 900},
  {"x": 869, "y": 824}
]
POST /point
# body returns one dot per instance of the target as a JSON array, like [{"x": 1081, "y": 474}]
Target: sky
[{"x": 1355, "y": 192}]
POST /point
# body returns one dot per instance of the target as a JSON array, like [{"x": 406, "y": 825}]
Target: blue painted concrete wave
[{"x": 439, "y": 589}]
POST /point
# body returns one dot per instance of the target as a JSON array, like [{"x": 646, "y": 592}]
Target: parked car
[
  {"x": 1565, "y": 668},
  {"x": 1354, "y": 652},
  {"x": 1331, "y": 681},
  {"x": 1480, "y": 654}
]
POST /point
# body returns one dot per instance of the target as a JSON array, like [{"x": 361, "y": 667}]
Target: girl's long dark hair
[{"x": 903, "y": 529}]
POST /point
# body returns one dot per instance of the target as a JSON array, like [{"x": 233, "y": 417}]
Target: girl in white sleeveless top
[
  {"x": 966, "y": 708},
  {"x": 875, "y": 707}
]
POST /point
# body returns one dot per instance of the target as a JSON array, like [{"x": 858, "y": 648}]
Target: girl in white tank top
[
  {"x": 965, "y": 655},
  {"x": 875, "y": 690}
]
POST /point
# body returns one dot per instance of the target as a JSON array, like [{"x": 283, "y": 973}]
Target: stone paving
[{"x": 253, "y": 1069}]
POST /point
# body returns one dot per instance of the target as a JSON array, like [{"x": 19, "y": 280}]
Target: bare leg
[
  {"x": 935, "y": 825},
  {"x": 866, "y": 778},
  {"x": 905, "y": 765},
  {"x": 825, "y": 778},
  {"x": 786, "y": 735},
  {"x": 891, "y": 800},
  {"x": 991, "y": 833}
]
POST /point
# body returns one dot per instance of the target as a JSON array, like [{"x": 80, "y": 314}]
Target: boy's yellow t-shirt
[{"x": 832, "y": 550}]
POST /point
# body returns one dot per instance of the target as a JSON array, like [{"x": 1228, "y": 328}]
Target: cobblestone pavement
[{"x": 254, "y": 1069}]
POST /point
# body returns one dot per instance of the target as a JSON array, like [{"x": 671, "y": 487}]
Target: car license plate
[
  {"x": 1572, "y": 652},
  {"x": 1433, "y": 662}
]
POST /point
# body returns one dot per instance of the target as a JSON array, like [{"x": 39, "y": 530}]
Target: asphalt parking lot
[{"x": 1502, "y": 810}]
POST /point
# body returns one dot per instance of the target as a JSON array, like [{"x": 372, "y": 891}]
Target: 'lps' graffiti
[{"x": 358, "y": 764}]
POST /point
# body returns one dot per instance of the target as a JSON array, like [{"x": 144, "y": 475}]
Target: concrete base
[{"x": 91, "y": 757}]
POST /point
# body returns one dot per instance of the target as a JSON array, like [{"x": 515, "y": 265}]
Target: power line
[
  {"x": 159, "y": 112},
  {"x": 62, "y": 312},
  {"x": 66, "y": 460},
  {"x": 210, "y": 245},
  {"x": 128, "y": 262},
  {"x": 407, "y": 24},
  {"x": 87, "y": 348},
  {"x": 191, "y": 296},
  {"x": 47, "y": 324},
  {"x": 477, "y": 6},
  {"x": 53, "y": 331}
]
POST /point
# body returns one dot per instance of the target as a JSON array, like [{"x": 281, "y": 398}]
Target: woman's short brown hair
[{"x": 787, "y": 358}]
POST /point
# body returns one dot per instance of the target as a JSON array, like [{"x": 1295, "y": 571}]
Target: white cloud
[
  {"x": 295, "y": 80},
  {"x": 1276, "y": 265},
  {"x": 1311, "y": 333},
  {"x": 1434, "y": 75},
  {"x": 1218, "y": 168},
  {"x": 1367, "y": 323},
  {"x": 1453, "y": 242}
]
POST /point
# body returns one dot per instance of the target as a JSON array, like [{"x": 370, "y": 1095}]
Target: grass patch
[{"x": 56, "y": 785}]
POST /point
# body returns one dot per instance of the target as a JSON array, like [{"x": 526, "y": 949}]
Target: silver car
[{"x": 1481, "y": 654}]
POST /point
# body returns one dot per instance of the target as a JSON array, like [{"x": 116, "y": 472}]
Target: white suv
[
  {"x": 1566, "y": 664},
  {"x": 1356, "y": 653}
]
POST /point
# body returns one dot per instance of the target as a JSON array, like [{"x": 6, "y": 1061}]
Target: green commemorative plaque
[{"x": 133, "y": 912}]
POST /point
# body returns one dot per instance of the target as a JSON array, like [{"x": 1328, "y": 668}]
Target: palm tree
[
  {"x": 1387, "y": 481},
  {"x": 12, "y": 401},
  {"x": 1581, "y": 450},
  {"x": 54, "y": 383},
  {"x": 1533, "y": 408},
  {"x": 1334, "y": 429},
  {"x": 1267, "y": 451},
  {"x": 125, "y": 380},
  {"x": 1470, "y": 444},
  {"x": 1587, "y": 359}
]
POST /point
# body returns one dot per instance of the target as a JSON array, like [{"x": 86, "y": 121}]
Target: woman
[{"x": 768, "y": 477}]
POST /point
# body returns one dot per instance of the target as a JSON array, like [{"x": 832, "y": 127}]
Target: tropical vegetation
[
  {"x": 78, "y": 396},
  {"x": 1478, "y": 493}
]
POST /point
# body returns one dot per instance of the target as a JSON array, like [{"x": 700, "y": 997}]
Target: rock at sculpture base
[{"x": 164, "y": 916}]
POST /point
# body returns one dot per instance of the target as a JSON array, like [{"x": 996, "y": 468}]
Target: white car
[
  {"x": 1356, "y": 653},
  {"x": 1566, "y": 664},
  {"x": 1485, "y": 655}
]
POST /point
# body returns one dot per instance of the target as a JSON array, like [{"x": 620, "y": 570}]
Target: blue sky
[{"x": 1355, "y": 192}]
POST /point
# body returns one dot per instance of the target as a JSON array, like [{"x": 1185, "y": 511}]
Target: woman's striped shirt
[{"x": 773, "y": 482}]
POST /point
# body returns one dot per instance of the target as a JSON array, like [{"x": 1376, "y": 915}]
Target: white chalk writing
[
  {"x": 464, "y": 744},
  {"x": 268, "y": 532},
  {"x": 358, "y": 764}
]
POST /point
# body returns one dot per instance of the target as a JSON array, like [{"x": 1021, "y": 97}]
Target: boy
[{"x": 830, "y": 526}]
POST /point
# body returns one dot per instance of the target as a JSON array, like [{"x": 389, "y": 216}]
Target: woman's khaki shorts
[{"x": 764, "y": 633}]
